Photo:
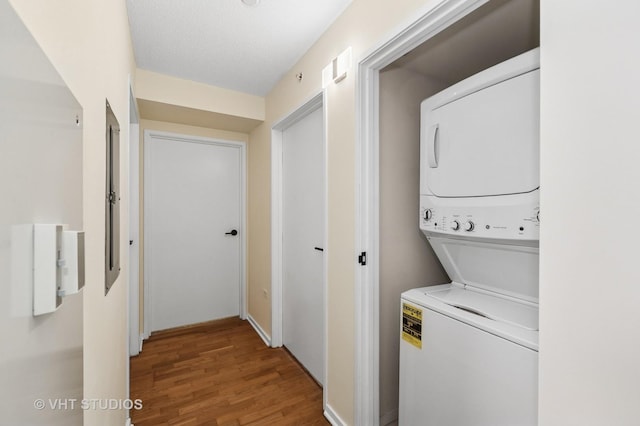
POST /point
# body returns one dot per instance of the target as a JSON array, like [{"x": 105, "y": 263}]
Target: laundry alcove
[{"x": 492, "y": 33}]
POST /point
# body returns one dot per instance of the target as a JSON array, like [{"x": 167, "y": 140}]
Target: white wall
[
  {"x": 40, "y": 182},
  {"x": 89, "y": 44},
  {"x": 590, "y": 200}
]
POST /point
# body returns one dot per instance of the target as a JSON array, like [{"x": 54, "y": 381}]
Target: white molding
[
  {"x": 128, "y": 422},
  {"x": 325, "y": 258},
  {"x": 133, "y": 288},
  {"x": 242, "y": 146},
  {"x": 333, "y": 417},
  {"x": 312, "y": 104},
  {"x": 263, "y": 334},
  {"x": 425, "y": 24},
  {"x": 134, "y": 225},
  {"x": 145, "y": 333},
  {"x": 276, "y": 237},
  {"x": 367, "y": 316},
  {"x": 147, "y": 247}
]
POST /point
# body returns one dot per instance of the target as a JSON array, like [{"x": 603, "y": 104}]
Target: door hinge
[{"x": 362, "y": 259}]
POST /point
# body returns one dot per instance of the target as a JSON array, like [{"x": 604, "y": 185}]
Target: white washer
[
  {"x": 461, "y": 368},
  {"x": 469, "y": 349}
]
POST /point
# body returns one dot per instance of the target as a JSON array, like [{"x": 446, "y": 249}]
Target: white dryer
[{"x": 469, "y": 349}]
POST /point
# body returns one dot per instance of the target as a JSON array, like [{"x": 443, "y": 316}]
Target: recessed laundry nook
[{"x": 490, "y": 35}]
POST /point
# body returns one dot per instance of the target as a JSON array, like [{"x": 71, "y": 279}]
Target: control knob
[
  {"x": 428, "y": 214},
  {"x": 469, "y": 226},
  {"x": 455, "y": 225}
]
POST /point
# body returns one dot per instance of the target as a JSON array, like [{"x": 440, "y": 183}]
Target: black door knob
[{"x": 233, "y": 232}]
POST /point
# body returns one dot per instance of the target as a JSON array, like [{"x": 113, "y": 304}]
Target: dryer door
[{"x": 485, "y": 143}]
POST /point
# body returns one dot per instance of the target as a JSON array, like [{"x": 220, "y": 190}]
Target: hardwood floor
[{"x": 221, "y": 373}]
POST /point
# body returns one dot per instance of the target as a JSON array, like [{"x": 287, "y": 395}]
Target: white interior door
[
  {"x": 302, "y": 241},
  {"x": 192, "y": 205}
]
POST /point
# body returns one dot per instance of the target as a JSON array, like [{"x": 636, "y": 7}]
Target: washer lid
[
  {"x": 521, "y": 315},
  {"x": 505, "y": 269},
  {"x": 495, "y": 308}
]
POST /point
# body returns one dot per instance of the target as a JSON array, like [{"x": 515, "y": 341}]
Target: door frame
[
  {"x": 134, "y": 340},
  {"x": 242, "y": 147},
  {"x": 425, "y": 24},
  {"x": 316, "y": 101},
  {"x": 135, "y": 337}
]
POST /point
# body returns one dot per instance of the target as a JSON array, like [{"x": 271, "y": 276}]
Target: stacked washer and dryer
[{"x": 469, "y": 349}]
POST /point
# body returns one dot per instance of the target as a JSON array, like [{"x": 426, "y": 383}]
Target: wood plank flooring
[{"x": 221, "y": 373}]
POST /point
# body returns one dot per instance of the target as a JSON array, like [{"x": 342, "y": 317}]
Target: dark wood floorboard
[{"x": 221, "y": 373}]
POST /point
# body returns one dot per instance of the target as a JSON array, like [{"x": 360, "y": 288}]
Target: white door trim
[
  {"x": 424, "y": 25},
  {"x": 148, "y": 134},
  {"x": 135, "y": 343},
  {"x": 133, "y": 290},
  {"x": 315, "y": 102}
]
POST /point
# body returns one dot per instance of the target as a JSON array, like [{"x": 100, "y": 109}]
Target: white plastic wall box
[
  {"x": 47, "y": 277},
  {"x": 73, "y": 266},
  {"x": 58, "y": 265}
]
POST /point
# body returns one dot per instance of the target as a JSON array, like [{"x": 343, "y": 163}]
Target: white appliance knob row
[
  {"x": 469, "y": 226},
  {"x": 455, "y": 225}
]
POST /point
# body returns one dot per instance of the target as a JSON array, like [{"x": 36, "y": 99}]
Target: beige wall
[
  {"x": 88, "y": 42},
  {"x": 170, "y": 99},
  {"x": 152, "y": 86},
  {"x": 259, "y": 223},
  {"x": 364, "y": 24},
  {"x": 406, "y": 258}
]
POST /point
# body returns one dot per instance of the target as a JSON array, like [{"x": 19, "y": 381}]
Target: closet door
[{"x": 302, "y": 242}]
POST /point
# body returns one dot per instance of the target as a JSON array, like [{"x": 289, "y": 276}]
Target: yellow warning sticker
[{"x": 412, "y": 325}]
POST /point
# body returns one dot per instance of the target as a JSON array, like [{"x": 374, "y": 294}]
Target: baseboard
[
  {"x": 333, "y": 418},
  {"x": 264, "y": 336},
  {"x": 137, "y": 351},
  {"x": 390, "y": 417}
]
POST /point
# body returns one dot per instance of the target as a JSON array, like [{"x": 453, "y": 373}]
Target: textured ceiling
[{"x": 226, "y": 43}]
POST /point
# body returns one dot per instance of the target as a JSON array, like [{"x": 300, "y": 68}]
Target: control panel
[{"x": 514, "y": 217}]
